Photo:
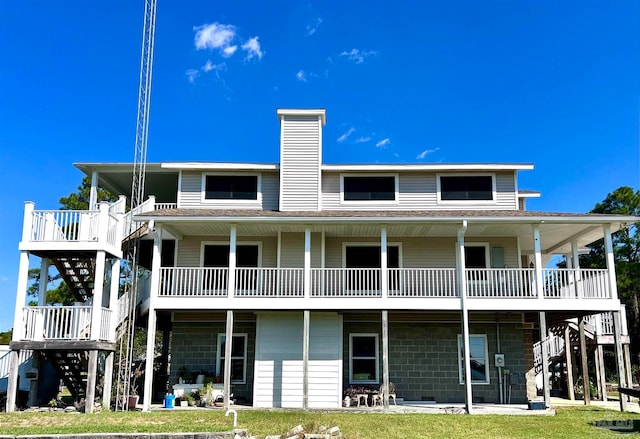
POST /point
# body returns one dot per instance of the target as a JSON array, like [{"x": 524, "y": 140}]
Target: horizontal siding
[
  {"x": 300, "y": 163},
  {"x": 293, "y": 250},
  {"x": 191, "y": 193},
  {"x": 189, "y": 249},
  {"x": 418, "y": 191}
]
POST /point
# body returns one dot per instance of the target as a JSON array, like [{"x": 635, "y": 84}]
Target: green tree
[{"x": 80, "y": 200}]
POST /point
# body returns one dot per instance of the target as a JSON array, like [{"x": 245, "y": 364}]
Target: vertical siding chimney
[{"x": 300, "y": 159}]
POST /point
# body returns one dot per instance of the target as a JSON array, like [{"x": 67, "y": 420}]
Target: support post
[
  {"x": 44, "y": 281},
  {"x": 544, "y": 336},
  {"x": 617, "y": 335},
  {"x": 306, "y": 317},
  {"x": 92, "y": 372},
  {"x": 568, "y": 354},
  {"x": 156, "y": 264},
  {"x": 577, "y": 277},
  {"x": 12, "y": 385},
  {"x": 228, "y": 343},
  {"x": 98, "y": 288},
  {"x": 108, "y": 380},
  {"x": 233, "y": 236},
  {"x": 384, "y": 274},
  {"x": 602, "y": 373},
  {"x": 611, "y": 266},
  {"x": 93, "y": 192},
  {"x": 586, "y": 383},
  {"x": 385, "y": 359},
  {"x": 21, "y": 297},
  {"x": 113, "y": 297},
  {"x": 538, "y": 262},
  {"x": 462, "y": 287},
  {"x": 627, "y": 367},
  {"x": 307, "y": 262}
]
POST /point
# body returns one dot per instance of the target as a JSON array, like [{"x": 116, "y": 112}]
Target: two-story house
[{"x": 432, "y": 277}]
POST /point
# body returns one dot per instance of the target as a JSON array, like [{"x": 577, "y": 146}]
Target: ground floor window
[
  {"x": 363, "y": 358},
  {"x": 238, "y": 357},
  {"x": 479, "y": 359}
]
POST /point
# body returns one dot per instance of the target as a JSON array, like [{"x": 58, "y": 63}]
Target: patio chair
[{"x": 379, "y": 398}]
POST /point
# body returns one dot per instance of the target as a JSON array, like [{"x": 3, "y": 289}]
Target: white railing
[
  {"x": 269, "y": 282},
  {"x": 423, "y": 282},
  {"x": 64, "y": 225},
  {"x": 57, "y": 322},
  {"x": 112, "y": 230},
  {"x": 5, "y": 361},
  {"x": 583, "y": 283},
  {"x": 123, "y": 307},
  {"x": 161, "y": 206},
  {"x": 131, "y": 226},
  {"x": 105, "y": 323},
  {"x": 345, "y": 282},
  {"x": 193, "y": 281},
  {"x": 555, "y": 347},
  {"x": 501, "y": 282}
]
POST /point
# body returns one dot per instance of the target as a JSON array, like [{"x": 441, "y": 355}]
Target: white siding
[
  {"x": 189, "y": 249},
  {"x": 418, "y": 191},
  {"x": 191, "y": 190},
  {"x": 293, "y": 250},
  {"x": 300, "y": 157},
  {"x": 278, "y": 365}
]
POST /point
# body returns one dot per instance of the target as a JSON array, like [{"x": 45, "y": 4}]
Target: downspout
[
  {"x": 462, "y": 285},
  {"x": 499, "y": 351}
]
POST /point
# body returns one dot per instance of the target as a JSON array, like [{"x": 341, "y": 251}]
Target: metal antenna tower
[{"x": 125, "y": 359}]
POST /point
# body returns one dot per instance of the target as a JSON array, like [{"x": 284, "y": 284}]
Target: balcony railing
[
  {"x": 63, "y": 323},
  {"x": 492, "y": 283}
]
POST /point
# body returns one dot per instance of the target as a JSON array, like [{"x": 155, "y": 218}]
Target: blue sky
[{"x": 541, "y": 81}]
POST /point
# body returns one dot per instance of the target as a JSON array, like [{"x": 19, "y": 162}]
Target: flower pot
[{"x": 132, "y": 402}]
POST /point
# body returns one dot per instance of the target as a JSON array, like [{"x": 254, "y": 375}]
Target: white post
[
  {"x": 113, "y": 297},
  {"x": 385, "y": 358},
  {"x": 44, "y": 282},
  {"x": 617, "y": 335},
  {"x": 233, "y": 236},
  {"x": 12, "y": 385},
  {"x": 108, "y": 380},
  {"x": 577, "y": 278},
  {"x": 538, "y": 261},
  {"x": 27, "y": 222},
  {"x": 98, "y": 287},
  {"x": 462, "y": 287},
  {"x": 544, "y": 336},
  {"x": 611, "y": 265},
  {"x": 384, "y": 275},
  {"x": 92, "y": 371},
  {"x": 93, "y": 192},
  {"x": 227, "y": 359},
  {"x": 103, "y": 222},
  {"x": 307, "y": 262},
  {"x": 151, "y": 324},
  {"x": 21, "y": 297},
  {"x": 305, "y": 358}
]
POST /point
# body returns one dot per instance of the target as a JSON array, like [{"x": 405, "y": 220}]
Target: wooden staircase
[
  {"x": 78, "y": 274},
  {"x": 72, "y": 369}
]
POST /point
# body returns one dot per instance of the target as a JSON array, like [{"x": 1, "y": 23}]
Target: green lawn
[{"x": 569, "y": 423}]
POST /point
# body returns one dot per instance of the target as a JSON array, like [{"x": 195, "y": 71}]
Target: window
[
  {"x": 238, "y": 357},
  {"x": 231, "y": 187},
  {"x": 479, "y": 359},
  {"x": 364, "y": 255},
  {"x": 217, "y": 255},
  {"x": 476, "y": 255},
  {"x": 363, "y": 358},
  {"x": 466, "y": 188},
  {"x": 369, "y": 188}
]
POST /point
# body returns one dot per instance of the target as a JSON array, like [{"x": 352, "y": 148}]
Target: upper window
[
  {"x": 231, "y": 187},
  {"x": 466, "y": 188},
  {"x": 369, "y": 188},
  {"x": 479, "y": 359},
  {"x": 238, "y": 357},
  {"x": 363, "y": 358}
]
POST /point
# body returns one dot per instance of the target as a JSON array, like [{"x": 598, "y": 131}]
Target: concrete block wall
[{"x": 194, "y": 344}]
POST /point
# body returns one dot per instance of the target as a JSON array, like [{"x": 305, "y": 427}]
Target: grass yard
[{"x": 569, "y": 423}]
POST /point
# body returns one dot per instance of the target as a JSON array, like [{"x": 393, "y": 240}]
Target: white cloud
[
  {"x": 192, "y": 74},
  {"x": 214, "y": 36},
  {"x": 4, "y": 279},
  {"x": 426, "y": 152},
  {"x": 252, "y": 47},
  {"x": 383, "y": 143},
  {"x": 301, "y": 76},
  {"x": 312, "y": 28},
  {"x": 229, "y": 51},
  {"x": 363, "y": 139},
  {"x": 358, "y": 56},
  {"x": 346, "y": 135}
]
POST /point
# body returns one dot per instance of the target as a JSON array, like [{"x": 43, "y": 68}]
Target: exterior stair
[
  {"x": 78, "y": 274},
  {"x": 71, "y": 367}
]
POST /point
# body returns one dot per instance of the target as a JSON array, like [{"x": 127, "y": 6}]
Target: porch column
[
  {"x": 18, "y": 324},
  {"x": 601, "y": 372},
  {"x": 98, "y": 288},
  {"x": 307, "y": 262},
  {"x": 586, "y": 383},
  {"x": 152, "y": 319},
  {"x": 12, "y": 385},
  {"x": 92, "y": 372},
  {"x": 627, "y": 366},
  {"x": 576, "y": 266},
  {"x": 568, "y": 355},
  {"x": 306, "y": 317},
  {"x": 231, "y": 278},
  {"x": 462, "y": 288},
  {"x": 44, "y": 281},
  {"x": 611, "y": 264},
  {"x": 228, "y": 343},
  {"x": 113, "y": 297},
  {"x": 617, "y": 335},
  {"x": 538, "y": 262},
  {"x": 108, "y": 380},
  {"x": 384, "y": 275},
  {"x": 93, "y": 192},
  {"x": 385, "y": 358},
  {"x": 544, "y": 337}
]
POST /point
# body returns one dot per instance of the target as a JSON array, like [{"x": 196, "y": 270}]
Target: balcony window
[
  {"x": 217, "y": 255},
  {"x": 363, "y": 358},
  {"x": 369, "y": 188},
  {"x": 231, "y": 187},
  {"x": 466, "y": 188},
  {"x": 479, "y": 359},
  {"x": 238, "y": 357},
  {"x": 476, "y": 255}
]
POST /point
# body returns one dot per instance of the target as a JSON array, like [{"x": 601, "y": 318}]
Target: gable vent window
[
  {"x": 466, "y": 188},
  {"x": 369, "y": 188},
  {"x": 231, "y": 187}
]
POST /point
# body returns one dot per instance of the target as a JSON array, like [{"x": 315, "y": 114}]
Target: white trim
[
  {"x": 494, "y": 194},
  {"x": 179, "y": 195},
  {"x": 213, "y": 166},
  {"x": 432, "y": 167},
  {"x": 487, "y": 251},
  {"x": 320, "y": 112},
  {"x": 225, "y": 201},
  {"x": 346, "y": 244},
  {"x": 528, "y": 194},
  {"x": 377, "y": 357},
  {"x": 486, "y": 360},
  {"x": 396, "y": 197},
  {"x": 244, "y": 358},
  {"x": 238, "y": 244}
]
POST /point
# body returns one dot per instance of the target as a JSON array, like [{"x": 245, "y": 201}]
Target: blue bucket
[{"x": 168, "y": 401}]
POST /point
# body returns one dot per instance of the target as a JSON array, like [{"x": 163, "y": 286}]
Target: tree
[
  {"x": 626, "y": 247},
  {"x": 80, "y": 200}
]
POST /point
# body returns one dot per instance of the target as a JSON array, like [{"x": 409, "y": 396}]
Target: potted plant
[{"x": 133, "y": 389}]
